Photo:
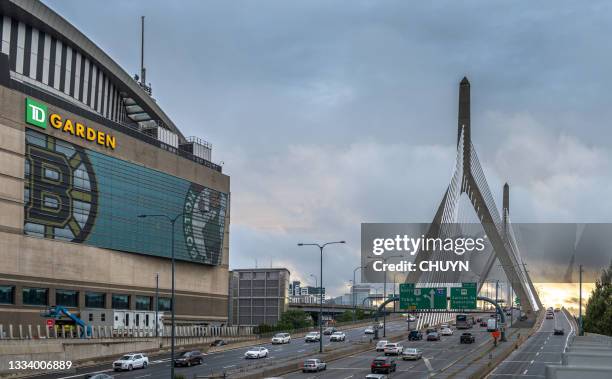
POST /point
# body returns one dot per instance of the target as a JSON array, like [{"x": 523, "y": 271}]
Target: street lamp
[
  {"x": 321, "y": 247},
  {"x": 172, "y": 333},
  {"x": 385, "y": 290},
  {"x": 353, "y": 293},
  {"x": 315, "y": 278}
]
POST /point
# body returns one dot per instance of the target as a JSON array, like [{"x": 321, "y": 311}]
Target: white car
[
  {"x": 369, "y": 330},
  {"x": 337, "y": 336},
  {"x": 393, "y": 349},
  {"x": 256, "y": 353},
  {"x": 446, "y": 332},
  {"x": 380, "y": 346},
  {"x": 411, "y": 354},
  {"x": 312, "y": 337},
  {"x": 411, "y": 318},
  {"x": 313, "y": 365},
  {"x": 281, "y": 338},
  {"x": 444, "y": 326},
  {"x": 130, "y": 362}
]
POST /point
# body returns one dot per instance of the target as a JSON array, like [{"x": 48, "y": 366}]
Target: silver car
[
  {"x": 313, "y": 365},
  {"x": 411, "y": 354}
]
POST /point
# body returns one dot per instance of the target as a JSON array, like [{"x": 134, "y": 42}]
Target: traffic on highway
[{"x": 418, "y": 353}]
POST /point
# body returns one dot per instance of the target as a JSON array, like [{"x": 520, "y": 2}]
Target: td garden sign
[{"x": 37, "y": 114}]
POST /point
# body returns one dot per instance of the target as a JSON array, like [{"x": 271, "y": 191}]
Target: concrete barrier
[
  {"x": 600, "y": 359},
  {"x": 573, "y": 372}
]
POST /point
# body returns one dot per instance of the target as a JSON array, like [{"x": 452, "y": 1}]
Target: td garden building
[{"x": 84, "y": 151}]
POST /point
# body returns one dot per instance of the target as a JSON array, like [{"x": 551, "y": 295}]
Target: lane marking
[
  {"x": 524, "y": 372},
  {"x": 229, "y": 366},
  {"x": 142, "y": 376}
]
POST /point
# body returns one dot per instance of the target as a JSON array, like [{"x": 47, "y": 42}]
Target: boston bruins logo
[
  {"x": 61, "y": 196},
  {"x": 203, "y": 224}
]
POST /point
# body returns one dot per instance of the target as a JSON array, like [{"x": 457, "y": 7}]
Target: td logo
[{"x": 36, "y": 113}]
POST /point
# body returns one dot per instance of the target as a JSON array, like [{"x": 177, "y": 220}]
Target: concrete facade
[
  {"x": 258, "y": 296},
  {"x": 25, "y": 261}
]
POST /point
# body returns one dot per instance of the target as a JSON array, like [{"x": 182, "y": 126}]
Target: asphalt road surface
[
  {"x": 159, "y": 366},
  {"x": 543, "y": 348},
  {"x": 437, "y": 356}
]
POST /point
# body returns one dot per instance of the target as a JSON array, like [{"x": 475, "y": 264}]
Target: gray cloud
[{"x": 331, "y": 113}]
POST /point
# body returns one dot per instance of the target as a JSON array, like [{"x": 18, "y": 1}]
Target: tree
[
  {"x": 598, "y": 316},
  {"x": 295, "y": 319}
]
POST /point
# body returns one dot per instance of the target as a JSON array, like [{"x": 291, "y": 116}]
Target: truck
[
  {"x": 491, "y": 325},
  {"x": 464, "y": 321}
]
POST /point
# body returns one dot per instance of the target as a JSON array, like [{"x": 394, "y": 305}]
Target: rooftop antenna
[
  {"x": 142, "y": 81},
  {"x": 143, "y": 71}
]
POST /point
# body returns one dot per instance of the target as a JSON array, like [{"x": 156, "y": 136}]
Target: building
[
  {"x": 295, "y": 288},
  {"x": 258, "y": 296},
  {"x": 84, "y": 151}
]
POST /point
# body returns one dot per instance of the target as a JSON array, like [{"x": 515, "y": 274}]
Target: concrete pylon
[{"x": 502, "y": 250}]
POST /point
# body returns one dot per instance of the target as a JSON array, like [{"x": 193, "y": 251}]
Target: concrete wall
[{"x": 26, "y": 261}]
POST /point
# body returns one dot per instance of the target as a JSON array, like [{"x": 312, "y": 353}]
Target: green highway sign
[
  {"x": 463, "y": 297},
  {"x": 422, "y": 298}
]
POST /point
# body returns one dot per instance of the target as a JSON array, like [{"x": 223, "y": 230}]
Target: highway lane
[
  {"x": 225, "y": 360},
  {"x": 437, "y": 356},
  {"x": 543, "y": 348}
]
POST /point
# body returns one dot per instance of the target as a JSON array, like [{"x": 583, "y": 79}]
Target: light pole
[
  {"x": 580, "y": 332},
  {"x": 385, "y": 291},
  {"x": 353, "y": 294},
  {"x": 315, "y": 278},
  {"x": 172, "y": 222},
  {"x": 156, "y": 303},
  {"x": 321, "y": 247}
]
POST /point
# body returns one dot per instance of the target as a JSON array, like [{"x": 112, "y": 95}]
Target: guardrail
[{"x": 28, "y": 332}]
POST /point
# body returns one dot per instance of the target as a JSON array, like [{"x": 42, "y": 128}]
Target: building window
[
  {"x": 95, "y": 299},
  {"x": 35, "y": 296},
  {"x": 91, "y": 317},
  {"x": 103, "y": 317},
  {"x": 165, "y": 304},
  {"x": 7, "y": 295},
  {"x": 67, "y": 298},
  {"x": 121, "y": 301},
  {"x": 143, "y": 303}
]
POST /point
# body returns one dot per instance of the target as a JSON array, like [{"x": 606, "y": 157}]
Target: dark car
[
  {"x": 467, "y": 338},
  {"x": 188, "y": 358},
  {"x": 383, "y": 364},
  {"x": 415, "y": 335},
  {"x": 433, "y": 336},
  {"x": 559, "y": 332},
  {"x": 329, "y": 331},
  {"x": 218, "y": 343},
  {"x": 483, "y": 323},
  {"x": 431, "y": 330},
  {"x": 479, "y": 319},
  {"x": 98, "y": 376}
]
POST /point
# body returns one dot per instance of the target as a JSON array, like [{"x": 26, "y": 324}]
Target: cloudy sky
[{"x": 328, "y": 114}]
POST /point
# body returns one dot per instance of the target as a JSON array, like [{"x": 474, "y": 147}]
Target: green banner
[
  {"x": 463, "y": 297},
  {"x": 422, "y": 298}
]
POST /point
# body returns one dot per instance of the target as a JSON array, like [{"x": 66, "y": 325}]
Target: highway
[
  {"x": 543, "y": 348},
  {"x": 437, "y": 356},
  {"x": 159, "y": 366}
]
